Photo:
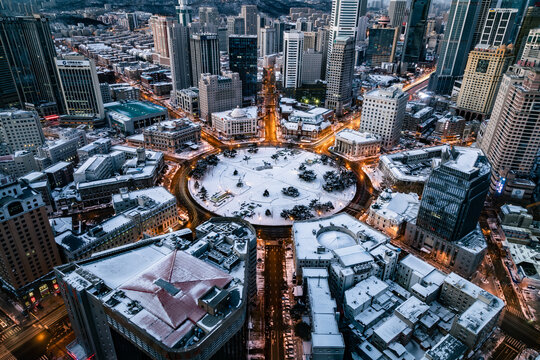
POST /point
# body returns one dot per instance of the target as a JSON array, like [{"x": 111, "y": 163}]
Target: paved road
[
  {"x": 509, "y": 349},
  {"x": 274, "y": 281},
  {"x": 520, "y": 329}
]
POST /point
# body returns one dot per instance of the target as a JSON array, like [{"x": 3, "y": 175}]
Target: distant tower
[
  {"x": 249, "y": 14},
  {"x": 455, "y": 45},
  {"x": 498, "y": 27},
  {"x": 292, "y": 63},
  {"x": 159, "y": 25},
  {"x": 184, "y": 12},
  {"x": 397, "y": 11},
  {"x": 413, "y": 46},
  {"x": 268, "y": 41},
  {"x": 339, "y": 75},
  {"x": 204, "y": 50},
  {"x": 178, "y": 36},
  {"x": 243, "y": 60}
]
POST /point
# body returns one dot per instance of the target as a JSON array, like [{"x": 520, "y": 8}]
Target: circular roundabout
[{"x": 271, "y": 186}]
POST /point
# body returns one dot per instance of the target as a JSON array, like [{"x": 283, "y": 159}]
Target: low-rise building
[
  {"x": 143, "y": 212},
  {"x": 392, "y": 211},
  {"x": 356, "y": 144},
  {"x": 172, "y": 135},
  {"x": 303, "y": 120},
  {"x": 187, "y": 100},
  {"x": 170, "y": 297},
  {"x": 100, "y": 146},
  {"x": 19, "y": 164},
  {"x": 133, "y": 116},
  {"x": 60, "y": 174},
  {"x": 239, "y": 122}
]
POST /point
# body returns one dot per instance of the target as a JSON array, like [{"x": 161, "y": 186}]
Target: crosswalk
[
  {"x": 43, "y": 357},
  {"x": 9, "y": 332}
]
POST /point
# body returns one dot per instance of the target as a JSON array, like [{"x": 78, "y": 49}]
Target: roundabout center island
[{"x": 271, "y": 186}]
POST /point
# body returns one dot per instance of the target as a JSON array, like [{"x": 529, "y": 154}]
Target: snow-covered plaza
[{"x": 264, "y": 186}]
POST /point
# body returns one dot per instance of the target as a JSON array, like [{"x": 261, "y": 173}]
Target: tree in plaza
[
  {"x": 196, "y": 185},
  {"x": 203, "y": 194},
  {"x": 268, "y": 212},
  {"x": 266, "y": 193},
  {"x": 235, "y": 172},
  {"x": 247, "y": 158}
]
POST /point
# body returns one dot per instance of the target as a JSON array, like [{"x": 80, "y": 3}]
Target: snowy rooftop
[
  {"x": 467, "y": 160},
  {"x": 474, "y": 242},
  {"x": 325, "y": 331},
  {"x": 356, "y": 136},
  {"x": 333, "y": 233},
  {"x": 396, "y": 206},
  {"x": 412, "y": 309},
  {"x": 238, "y": 113},
  {"x": 448, "y": 348},
  {"x": 364, "y": 291},
  {"x": 418, "y": 265},
  {"x": 176, "y": 125},
  {"x": 159, "y": 288},
  {"x": 353, "y": 255},
  {"x": 390, "y": 329},
  {"x": 158, "y": 194}
]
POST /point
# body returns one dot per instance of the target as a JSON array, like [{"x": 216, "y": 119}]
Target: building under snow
[
  {"x": 303, "y": 120},
  {"x": 355, "y": 144},
  {"x": 392, "y": 210},
  {"x": 165, "y": 297}
]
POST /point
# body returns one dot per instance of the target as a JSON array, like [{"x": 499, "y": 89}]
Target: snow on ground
[{"x": 281, "y": 173}]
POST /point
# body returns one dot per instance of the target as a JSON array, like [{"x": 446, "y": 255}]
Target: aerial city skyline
[{"x": 324, "y": 180}]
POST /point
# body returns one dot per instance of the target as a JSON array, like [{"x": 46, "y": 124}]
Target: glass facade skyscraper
[
  {"x": 413, "y": 46},
  {"x": 454, "y": 194},
  {"x": 243, "y": 60},
  {"x": 28, "y": 53}
]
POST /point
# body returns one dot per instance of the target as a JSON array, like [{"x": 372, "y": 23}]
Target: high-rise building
[
  {"x": 339, "y": 75},
  {"x": 383, "y": 112},
  {"x": 268, "y": 41},
  {"x": 159, "y": 25},
  {"x": 413, "y": 45},
  {"x": 397, "y": 12},
  {"x": 178, "y": 36},
  {"x": 243, "y": 60},
  {"x": 235, "y": 25},
  {"x": 21, "y": 130},
  {"x": 184, "y": 12},
  {"x": 310, "y": 40},
  {"x": 485, "y": 68},
  {"x": 511, "y": 139},
  {"x": 322, "y": 47},
  {"x": 498, "y": 27},
  {"x": 281, "y": 27},
  {"x": 219, "y": 93},
  {"x": 455, "y": 45},
  {"x": 80, "y": 86},
  {"x": 382, "y": 44},
  {"x": 27, "y": 53},
  {"x": 249, "y": 14},
  {"x": 163, "y": 298},
  {"x": 223, "y": 38},
  {"x": 530, "y": 55},
  {"x": 204, "y": 50},
  {"x": 521, "y": 6},
  {"x": 209, "y": 15},
  {"x": 292, "y": 62},
  {"x": 344, "y": 20},
  {"x": 27, "y": 247},
  {"x": 483, "y": 9},
  {"x": 131, "y": 21},
  {"x": 531, "y": 20},
  {"x": 454, "y": 194},
  {"x": 311, "y": 71}
]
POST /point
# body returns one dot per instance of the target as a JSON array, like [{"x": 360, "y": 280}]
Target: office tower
[
  {"x": 132, "y": 21},
  {"x": 27, "y": 247},
  {"x": 178, "y": 36},
  {"x": 154, "y": 299},
  {"x": 8, "y": 91},
  {"x": 261, "y": 24},
  {"x": 339, "y": 75},
  {"x": 521, "y": 6},
  {"x": 481, "y": 80},
  {"x": 159, "y": 25},
  {"x": 310, "y": 40},
  {"x": 454, "y": 194},
  {"x": 413, "y": 46},
  {"x": 322, "y": 47},
  {"x": 498, "y": 27},
  {"x": 223, "y": 38},
  {"x": 235, "y": 25},
  {"x": 292, "y": 62},
  {"x": 28, "y": 55},
  {"x": 511, "y": 139},
  {"x": 311, "y": 71},
  {"x": 243, "y": 60},
  {"x": 383, "y": 112},
  {"x": 21, "y": 130},
  {"x": 455, "y": 45},
  {"x": 80, "y": 86},
  {"x": 531, "y": 20},
  {"x": 219, "y": 93},
  {"x": 209, "y": 15},
  {"x": 361, "y": 32},
  {"x": 531, "y": 49},
  {"x": 249, "y": 14},
  {"x": 268, "y": 41},
  {"x": 344, "y": 20},
  {"x": 184, "y": 12},
  {"x": 382, "y": 44},
  {"x": 204, "y": 50},
  {"x": 281, "y": 27},
  {"x": 483, "y": 9},
  {"x": 397, "y": 12}
]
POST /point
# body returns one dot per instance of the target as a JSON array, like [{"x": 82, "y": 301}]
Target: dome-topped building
[{"x": 239, "y": 122}]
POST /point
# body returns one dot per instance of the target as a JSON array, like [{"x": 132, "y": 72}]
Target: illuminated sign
[{"x": 500, "y": 185}]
